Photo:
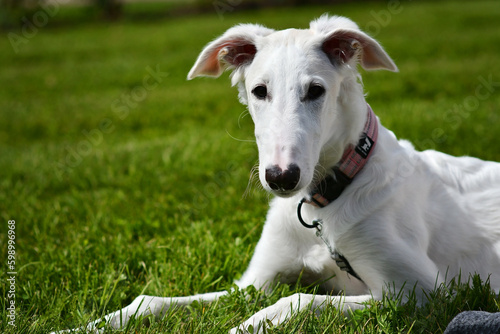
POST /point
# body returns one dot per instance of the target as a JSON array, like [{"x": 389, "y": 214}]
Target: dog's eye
[
  {"x": 260, "y": 92},
  {"x": 315, "y": 91}
]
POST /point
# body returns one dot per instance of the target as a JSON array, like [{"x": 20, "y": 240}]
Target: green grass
[{"x": 151, "y": 199}]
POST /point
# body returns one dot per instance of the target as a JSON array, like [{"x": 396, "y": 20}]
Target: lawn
[{"x": 123, "y": 178}]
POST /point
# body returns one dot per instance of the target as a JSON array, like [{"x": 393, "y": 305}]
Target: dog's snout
[{"x": 283, "y": 180}]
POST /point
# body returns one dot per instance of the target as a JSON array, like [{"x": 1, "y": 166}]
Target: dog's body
[{"x": 408, "y": 220}]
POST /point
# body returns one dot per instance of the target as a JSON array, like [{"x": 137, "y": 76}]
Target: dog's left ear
[
  {"x": 344, "y": 44},
  {"x": 235, "y": 48}
]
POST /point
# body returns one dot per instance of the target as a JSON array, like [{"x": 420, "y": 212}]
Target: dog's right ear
[{"x": 237, "y": 47}]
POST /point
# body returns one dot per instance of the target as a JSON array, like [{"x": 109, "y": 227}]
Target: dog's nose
[{"x": 284, "y": 180}]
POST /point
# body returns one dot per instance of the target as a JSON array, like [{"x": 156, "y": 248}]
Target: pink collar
[{"x": 353, "y": 160}]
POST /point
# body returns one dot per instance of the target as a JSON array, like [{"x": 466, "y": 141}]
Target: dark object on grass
[{"x": 472, "y": 322}]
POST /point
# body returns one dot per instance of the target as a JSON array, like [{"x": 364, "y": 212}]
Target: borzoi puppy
[{"x": 355, "y": 208}]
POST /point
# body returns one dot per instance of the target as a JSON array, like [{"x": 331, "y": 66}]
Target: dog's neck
[{"x": 353, "y": 160}]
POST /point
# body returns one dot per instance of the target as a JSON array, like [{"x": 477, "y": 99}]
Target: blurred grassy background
[{"x": 124, "y": 178}]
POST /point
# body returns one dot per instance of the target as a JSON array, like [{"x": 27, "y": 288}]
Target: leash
[
  {"x": 332, "y": 186},
  {"x": 339, "y": 259}
]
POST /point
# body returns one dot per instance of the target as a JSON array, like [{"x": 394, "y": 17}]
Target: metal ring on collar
[{"x": 299, "y": 215}]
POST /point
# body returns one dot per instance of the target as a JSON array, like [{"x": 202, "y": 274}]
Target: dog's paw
[
  {"x": 262, "y": 320},
  {"x": 245, "y": 328},
  {"x": 80, "y": 330},
  {"x": 254, "y": 325},
  {"x": 273, "y": 315},
  {"x": 64, "y": 331},
  {"x": 92, "y": 328}
]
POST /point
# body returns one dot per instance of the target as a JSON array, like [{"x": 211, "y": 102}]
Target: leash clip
[
  {"x": 318, "y": 225},
  {"x": 339, "y": 259}
]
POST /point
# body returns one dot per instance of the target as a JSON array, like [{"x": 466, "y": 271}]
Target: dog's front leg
[
  {"x": 156, "y": 307},
  {"x": 145, "y": 307},
  {"x": 286, "y": 307}
]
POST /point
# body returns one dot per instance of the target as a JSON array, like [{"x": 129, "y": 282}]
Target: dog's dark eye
[
  {"x": 315, "y": 91},
  {"x": 260, "y": 92}
]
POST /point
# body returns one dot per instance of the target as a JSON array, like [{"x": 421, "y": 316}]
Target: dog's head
[{"x": 302, "y": 91}]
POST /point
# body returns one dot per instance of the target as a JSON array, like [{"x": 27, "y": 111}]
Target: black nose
[{"x": 284, "y": 180}]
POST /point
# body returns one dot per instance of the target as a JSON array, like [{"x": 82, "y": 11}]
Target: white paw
[
  {"x": 91, "y": 328},
  {"x": 253, "y": 325},
  {"x": 274, "y": 314},
  {"x": 243, "y": 329},
  {"x": 265, "y": 318}
]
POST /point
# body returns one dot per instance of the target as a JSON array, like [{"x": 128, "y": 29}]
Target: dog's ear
[
  {"x": 344, "y": 44},
  {"x": 235, "y": 48}
]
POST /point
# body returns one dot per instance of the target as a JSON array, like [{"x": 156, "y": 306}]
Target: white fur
[{"x": 408, "y": 219}]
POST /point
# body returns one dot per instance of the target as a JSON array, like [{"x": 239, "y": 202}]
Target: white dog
[{"x": 356, "y": 209}]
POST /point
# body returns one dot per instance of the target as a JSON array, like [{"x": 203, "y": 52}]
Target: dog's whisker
[
  {"x": 240, "y": 140},
  {"x": 253, "y": 181},
  {"x": 242, "y": 115}
]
